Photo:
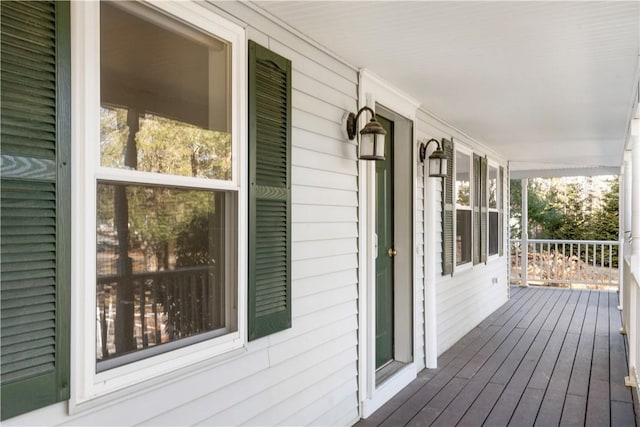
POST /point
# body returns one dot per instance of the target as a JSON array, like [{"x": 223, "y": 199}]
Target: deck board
[{"x": 547, "y": 357}]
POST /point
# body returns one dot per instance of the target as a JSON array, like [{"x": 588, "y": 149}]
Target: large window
[
  {"x": 166, "y": 203},
  {"x": 463, "y": 208}
]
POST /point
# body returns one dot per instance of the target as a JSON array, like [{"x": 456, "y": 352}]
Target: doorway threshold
[{"x": 387, "y": 371}]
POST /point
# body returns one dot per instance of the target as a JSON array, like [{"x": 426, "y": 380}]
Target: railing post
[
  {"x": 624, "y": 203},
  {"x": 524, "y": 227}
]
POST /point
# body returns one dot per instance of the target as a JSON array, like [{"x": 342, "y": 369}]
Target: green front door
[{"x": 384, "y": 260}]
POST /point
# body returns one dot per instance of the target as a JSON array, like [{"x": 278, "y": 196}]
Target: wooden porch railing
[
  {"x": 589, "y": 264},
  {"x": 167, "y": 305}
]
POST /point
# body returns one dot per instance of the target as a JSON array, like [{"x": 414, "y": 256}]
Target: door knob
[{"x": 392, "y": 252}]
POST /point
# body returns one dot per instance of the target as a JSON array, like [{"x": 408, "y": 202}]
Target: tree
[
  {"x": 542, "y": 211},
  {"x": 605, "y": 224}
]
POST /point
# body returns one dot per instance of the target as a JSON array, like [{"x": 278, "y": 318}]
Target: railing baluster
[
  {"x": 535, "y": 270},
  {"x": 562, "y": 271},
  {"x": 595, "y": 268},
  {"x": 154, "y": 301},
  {"x": 601, "y": 264},
  {"x": 579, "y": 274},
  {"x": 546, "y": 262},
  {"x": 203, "y": 301},
  {"x": 610, "y": 264},
  {"x": 571, "y": 275},
  {"x": 193, "y": 306},
  {"x": 554, "y": 263},
  {"x": 143, "y": 329}
]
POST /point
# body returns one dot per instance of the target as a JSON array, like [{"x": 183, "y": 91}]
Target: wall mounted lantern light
[
  {"x": 437, "y": 159},
  {"x": 371, "y": 136}
]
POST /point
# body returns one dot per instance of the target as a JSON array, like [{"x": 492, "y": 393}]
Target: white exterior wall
[
  {"x": 307, "y": 374},
  {"x": 469, "y": 296}
]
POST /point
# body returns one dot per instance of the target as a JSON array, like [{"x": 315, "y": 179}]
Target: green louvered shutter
[
  {"x": 480, "y": 210},
  {"x": 448, "y": 209},
  {"x": 477, "y": 195},
  {"x": 501, "y": 212},
  {"x": 269, "y": 192},
  {"x": 484, "y": 211},
  {"x": 35, "y": 211}
]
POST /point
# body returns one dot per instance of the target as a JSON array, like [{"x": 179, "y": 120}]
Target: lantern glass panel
[
  {"x": 366, "y": 145},
  {"x": 434, "y": 166},
  {"x": 379, "y": 146}
]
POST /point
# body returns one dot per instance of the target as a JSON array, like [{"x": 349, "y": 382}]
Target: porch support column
[
  {"x": 634, "y": 276},
  {"x": 624, "y": 208},
  {"x": 635, "y": 197},
  {"x": 626, "y": 201},
  {"x": 524, "y": 230}
]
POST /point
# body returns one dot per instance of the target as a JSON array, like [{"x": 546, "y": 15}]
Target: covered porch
[
  {"x": 553, "y": 89},
  {"x": 547, "y": 357}
]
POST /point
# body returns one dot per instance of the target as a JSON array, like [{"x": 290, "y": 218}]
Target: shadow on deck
[{"x": 547, "y": 357}]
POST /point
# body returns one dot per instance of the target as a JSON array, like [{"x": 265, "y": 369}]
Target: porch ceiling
[{"x": 548, "y": 85}]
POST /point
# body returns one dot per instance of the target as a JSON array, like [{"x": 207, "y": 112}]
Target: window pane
[
  {"x": 463, "y": 236},
  {"x": 493, "y": 188},
  {"x": 493, "y": 233},
  {"x": 165, "y": 97},
  {"x": 462, "y": 179},
  {"x": 161, "y": 273}
]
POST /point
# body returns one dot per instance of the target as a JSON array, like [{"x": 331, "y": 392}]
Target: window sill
[
  {"x": 462, "y": 268},
  {"x": 493, "y": 258},
  {"x": 77, "y": 406}
]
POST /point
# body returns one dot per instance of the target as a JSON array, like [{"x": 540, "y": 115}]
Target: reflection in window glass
[
  {"x": 463, "y": 237},
  {"x": 165, "y": 95},
  {"x": 463, "y": 208},
  {"x": 493, "y": 188},
  {"x": 164, "y": 145},
  {"x": 493, "y": 233},
  {"x": 160, "y": 267},
  {"x": 494, "y": 199},
  {"x": 463, "y": 169}
]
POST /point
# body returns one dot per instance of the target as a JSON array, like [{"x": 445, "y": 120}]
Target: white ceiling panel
[{"x": 543, "y": 83}]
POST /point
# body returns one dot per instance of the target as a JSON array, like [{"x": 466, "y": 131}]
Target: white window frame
[
  {"x": 89, "y": 387},
  {"x": 495, "y": 166},
  {"x": 469, "y": 154}
]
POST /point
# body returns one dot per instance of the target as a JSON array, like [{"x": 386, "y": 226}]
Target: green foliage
[
  {"x": 194, "y": 242},
  {"x": 605, "y": 224},
  {"x": 164, "y": 145},
  {"x": 584, "y": 209}
]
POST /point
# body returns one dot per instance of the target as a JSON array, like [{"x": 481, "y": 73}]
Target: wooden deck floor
[{"x": 547, "y": 357}]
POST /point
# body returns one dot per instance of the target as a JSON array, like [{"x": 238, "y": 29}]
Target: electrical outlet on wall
[{"x": 494, "y": 280}]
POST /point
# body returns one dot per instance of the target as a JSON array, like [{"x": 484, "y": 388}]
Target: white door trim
[{"x": 373, "y": 90}]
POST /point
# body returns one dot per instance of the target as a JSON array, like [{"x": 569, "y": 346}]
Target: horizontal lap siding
[{"x": 466, "y": 298}]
